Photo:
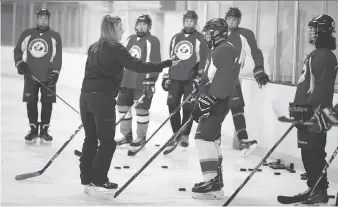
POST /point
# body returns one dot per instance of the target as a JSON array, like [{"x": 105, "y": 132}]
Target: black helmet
[
  {"x": 233, "y": 12},
  {"x": 319, "y": 25},
  {"x": 43, "y": 12},
  {"x": 213, "y": 25},
  {"x": 143, "y": 18}
]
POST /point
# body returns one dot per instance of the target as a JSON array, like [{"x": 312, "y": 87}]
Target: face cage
[
  {"x": 140, "y": 34},
  {"x": 42, "y": 27},
  {"x": 209, "y": 37}
]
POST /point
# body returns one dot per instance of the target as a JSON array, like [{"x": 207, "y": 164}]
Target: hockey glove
[
  {"x": 23, "y": 68},
  {"x": 149, "y": 87},
  {"x": 196, "y": 84},
  {"x": 203, "y": 106},
  {"x": 300, "y": 113},
  {"x": 166, "y": 82},
  {"x": 53, "y": 78},
  {"x": 323, "y": 120},
  {"x": 261, "y": 77}
]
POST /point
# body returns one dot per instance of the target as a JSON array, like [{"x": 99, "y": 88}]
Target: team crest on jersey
[
  {"x": 135, "y": 51},
  {"x": 38, "y": 48},
  {"x": 183, "y": 50}
]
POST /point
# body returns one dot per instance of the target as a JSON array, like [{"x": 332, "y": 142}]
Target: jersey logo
[
  {"x": 135, "y": 51},
  {"x": 183, "y": 50},
  {"x": 303, "y": 74},
  {"x": 38, "y": 48}
]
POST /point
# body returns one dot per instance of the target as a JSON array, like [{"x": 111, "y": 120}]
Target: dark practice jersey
[
  {"x": 221, "y": 72},
  {"x": 147, "y": 49},
  {"x": 316, "y": 82},
  {"x": 241, "y": 38},
  {"x": 190, "y": 46},
  {"x": 41, "y": 51}
]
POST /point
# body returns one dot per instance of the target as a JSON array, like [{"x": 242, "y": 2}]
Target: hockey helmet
[
  {"x": 214, "y": 29},
  {"x": 42, "y": 26},
  {"x": 319, "y": 25},
  {"x": 143, "y": 18}
]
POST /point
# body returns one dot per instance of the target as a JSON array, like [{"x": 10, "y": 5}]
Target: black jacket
[{"x": 104, "y": 69}]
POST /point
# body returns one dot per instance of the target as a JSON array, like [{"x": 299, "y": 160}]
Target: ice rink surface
[{"x": 60, "y": 184}]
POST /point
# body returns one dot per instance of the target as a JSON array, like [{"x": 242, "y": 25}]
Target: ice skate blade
[
  {"x": 31, "y": 142},
  {"x": 316, "y": 204},
  {"x": 246, "y": 152},
  {"x": 100, "y": 193},
  {"x": 46, "y": 143},
  {"x": 214, "y": 195}
]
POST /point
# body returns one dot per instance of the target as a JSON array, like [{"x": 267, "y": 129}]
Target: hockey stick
[
  {"x": 133, "y": 153},
  {"x": 40, "y": 172},
  {"x": 152, "y": 158},
  {"x": 258, "y": 166},
  {"x": 137, "y": 102},
  {"x": 52, "y": 92}
]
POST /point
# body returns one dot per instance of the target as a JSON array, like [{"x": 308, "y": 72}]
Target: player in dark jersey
[
  {"x": 146, "y": 47},
  {"x": 212, "y": 106},
  {"x": 315, "y": 90},
  {"x": 39, "y": 53},
  {"x": 241, "y": 38},
  {"x": 187, "y": 45}
]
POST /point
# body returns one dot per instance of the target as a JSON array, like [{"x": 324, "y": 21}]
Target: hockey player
[
  {"x": 315, "y": 90},
  {"x": 241, "y": 38},
  {"x": 39, "y": 53},
  {"x": 212, "y": 106},
  {"x": 105, "y": 63},
  {"x": 322, "y": 121},
  {"x": 188, "y": 46},
  {"x": 146, "y": 47}
]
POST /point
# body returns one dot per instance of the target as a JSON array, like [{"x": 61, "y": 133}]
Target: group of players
[{"x": 210, "y": 63}]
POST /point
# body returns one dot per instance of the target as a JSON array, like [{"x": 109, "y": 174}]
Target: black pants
[
  {"x": 314, "y": 162},
  {"x": 98, "y": 118}
]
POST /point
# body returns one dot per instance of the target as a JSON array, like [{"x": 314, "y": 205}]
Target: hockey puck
[
  {"x": 292, "y": 171},
  {"x": 242, "y": 169},
  {"x": 157, "y": 145},
  {"x": 77, "y": 153},
  {"x": 266, "y": 164},
  {"x": 164, "y": 166},
  {"x": 331, "y": 196},
  {"x": 250, "y": 169},
  {"x": 117, "y": 167},
  {"x": 259, "y": 170},
  {"x": 276, "y": 173},
  {"x": 182, "y": 189},
  {"x": 303, "y": 178},
  {"x": 126, "y": 167}
]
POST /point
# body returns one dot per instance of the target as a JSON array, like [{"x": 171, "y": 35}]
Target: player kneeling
[{"x": 211, "y": 107}]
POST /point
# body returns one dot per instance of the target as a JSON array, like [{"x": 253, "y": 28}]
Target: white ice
[{"x": 60, "y": 184}]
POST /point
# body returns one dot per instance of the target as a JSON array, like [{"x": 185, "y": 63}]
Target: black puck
[
  {"x": 331, "y": 196},
  {"x": 250, "y": 169},
  {"x": 259, "y": 170},
  {"x": 276, "y": 173},
  {"x": 292, "y": 171},
  {"x": 77, "y": 153},
  {"x": 126, "y": 167},
  {"x": 242, "y": 169},
  {"x": 303, "y": 178},
  {"x": 164, "y": 166},
  {"x": 182, "y": 189},
  {"x": 117, "y": 167},
  {"x": 157, "y": 145}
]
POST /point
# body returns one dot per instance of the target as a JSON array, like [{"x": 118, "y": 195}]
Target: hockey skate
[
  {"x": 125, "y": 140},
  {"x": 210, "y": 190},
  {"x": 45, "y": 138},
  {"x": 246, "y": 147},
  {"x": 317, "y": 198},
  {"x": 102, "y": 192},
  {"x": 184, "y": 141},
  {"x": 138, "y": 142},
  {"x": 32, "y": 135},
  {"x": 219, "y": 176},
  {"x": 294, "y": 199}
]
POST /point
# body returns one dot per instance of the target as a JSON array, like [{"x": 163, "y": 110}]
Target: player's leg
[
  {"x": 30, "y": 96},
  {"x": 47, "y": 100},
  {"x": 237, "y": 110},
  {"x": 142, "y": 118},
  {"x": 209, "y": 153},
  {"x": 175, "y": 93},
  {"x": 187, "y": 108},
  {"x": 103, "y": 110},
  {"x": 124, "y": 102},
  {"x": 90, "y": 142}
]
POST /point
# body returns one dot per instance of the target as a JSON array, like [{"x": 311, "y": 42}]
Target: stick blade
[{"x": 27, "y": 175}]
